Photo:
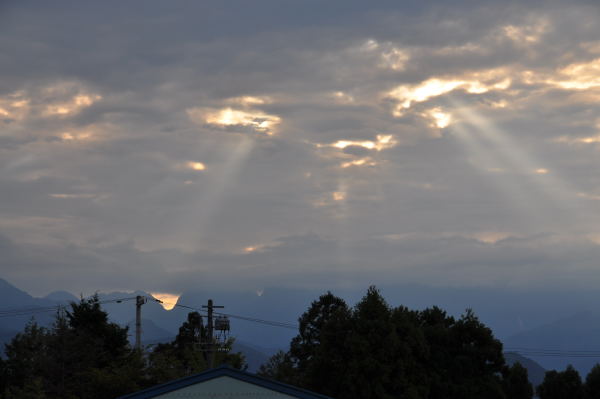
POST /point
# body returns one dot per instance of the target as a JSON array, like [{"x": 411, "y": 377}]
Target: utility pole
[
  {"x": 139, "y": 301},
  {"x": 211, "y": 343}
]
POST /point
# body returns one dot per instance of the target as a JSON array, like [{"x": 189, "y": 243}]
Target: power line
[
  {"x": 8, "y": 312},
  {"x": 245, "y": 318},
  {"x": 25, "y": 312},
  {"x": 585, "y": 351},
  {"x": 261, "y": 321},
  {"x": 565, "y": 353},
  {"x": 13, "y": 312}
]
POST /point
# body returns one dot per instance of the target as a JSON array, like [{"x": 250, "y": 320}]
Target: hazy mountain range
[{"x": 579, "y": 331}]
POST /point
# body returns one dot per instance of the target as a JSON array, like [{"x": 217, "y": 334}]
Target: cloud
[
  {"x": 450, "y": 259},
  {"x": 177, "y": 137}
]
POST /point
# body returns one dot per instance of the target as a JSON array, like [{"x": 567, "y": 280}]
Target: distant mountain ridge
[
  {"x": 11, "y": 295},
  {"x": 535, "y": 372},
  {"x": 12, "y": 299},
  {"x": 60, "y": 296},
  {"x": 579, "y": 332}
]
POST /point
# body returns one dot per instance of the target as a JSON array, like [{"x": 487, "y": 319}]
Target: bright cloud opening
[
  {"x": 359, "y": 162},
  {"x": 578, "y": 140},
  {"x": 526, "y": 34},
  {"x": 14, "y": 106},
  {"x": 71, "y": 196},
  {"x": 440, "y": 118},
  {"x": 382, "y": 142},
  {"x": 394, "y": 59},
  {"x": 589, "y": 196},
  {"x": 490, "y": 237},
  {"x": 74, "y": 136},
  {"x": 338, "y": 195},
  {"x": 72, "y": 106},
  {"x": 247, "y": 101},
  {"x": 342, "y": 97},
  {"x": 477, "y": 83},
  {"x": 196, "y": 165},
  {"x": 579, "y": 76},
  {"x": 257, "y": 120}
]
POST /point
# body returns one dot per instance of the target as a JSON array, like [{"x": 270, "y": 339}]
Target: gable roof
[{"x": 224, "y": 371}]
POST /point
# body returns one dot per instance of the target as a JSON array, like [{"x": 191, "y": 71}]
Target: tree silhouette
[
  {"x": 516, "y": 383},
  {"x": 592, "y": 383},
  {"x": 375, "y": 351},
  {"x": 560, "y": 385}
]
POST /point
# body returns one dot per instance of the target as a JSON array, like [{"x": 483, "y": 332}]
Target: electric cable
[{"x": 233, "y": 316}]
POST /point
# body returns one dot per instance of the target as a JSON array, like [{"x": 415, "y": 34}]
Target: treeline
[
  {"x": 375, "y": 351},
  {"x": 367, "y": 351},
  {"x": 84, "y": 356}
]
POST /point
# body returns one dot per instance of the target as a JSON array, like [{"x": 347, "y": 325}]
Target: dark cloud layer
[{"x": 160, "y": 145}]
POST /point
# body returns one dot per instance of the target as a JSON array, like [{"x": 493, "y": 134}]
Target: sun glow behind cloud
[
  {"x": 386, "y": 55},
  {"x": 196, "y": 165},
  {"x": 342, "y": 97},
  {"x": 168, "y": 300},
  {"x": 394, "y": 59},
  {"x": 383, "y": 141},
  {"x": 338, "y": 195},
  {"x": 578, "y": 140},
  {"x": 351, "y": 158},
  {"x": 490, "y": 237},
  {"x": 579, "y": 76},
  {"x": 72, "y": 106},
  {"x": 358, "y": 162},
  {"x": 76, "y": 135},
  {"x": 226, "y": 117},
  {"x": 526, "y": 34},
  {"x": 14, "y": 106},
  {"x": 477, "y": 83},
  {"x": 439, "y": 117}
]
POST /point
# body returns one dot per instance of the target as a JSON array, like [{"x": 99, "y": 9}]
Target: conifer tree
[
  {"x": 318, "y": 353},
  {"x": 592, "y": 383},
  {"x": 516, "y": 382},
  {"x": 560, "y": 385}
]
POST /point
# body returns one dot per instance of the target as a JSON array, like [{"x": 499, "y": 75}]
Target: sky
[{"x": 175, "y": 145}]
